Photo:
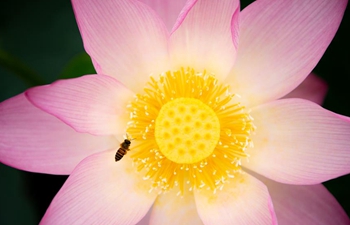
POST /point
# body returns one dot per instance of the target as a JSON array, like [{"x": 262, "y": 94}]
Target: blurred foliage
[
  {"x": 18, "y": 68},
  {"x": 40, "y": 43},
  {"x": 79, "y": 65}
]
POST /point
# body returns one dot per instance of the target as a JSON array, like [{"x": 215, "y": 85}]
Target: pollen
[{"x": 190, "y": 131}]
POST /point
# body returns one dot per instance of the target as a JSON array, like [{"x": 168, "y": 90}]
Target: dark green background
[{"x": 39, "y": 39}]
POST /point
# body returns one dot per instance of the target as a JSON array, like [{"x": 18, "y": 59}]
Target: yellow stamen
[{"x": 189, "y": 131}]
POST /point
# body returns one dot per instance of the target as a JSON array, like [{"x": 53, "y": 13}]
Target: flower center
[
  {"x": 186, "y": 130},
  {"x": 189, "y": 131}
]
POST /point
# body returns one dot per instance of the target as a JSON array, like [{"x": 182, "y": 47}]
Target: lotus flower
[{"x": 213, "y": 141}]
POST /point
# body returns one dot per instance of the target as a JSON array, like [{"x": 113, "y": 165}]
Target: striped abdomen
[
  {"x": 124, "y": 147},
  {"x": 120, "y": 153}
]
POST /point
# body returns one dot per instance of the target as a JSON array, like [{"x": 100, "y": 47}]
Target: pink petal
[
  {"x": 202, "y": 37},
  {"x": 312, "y": 88},
  {"x": 298, "y": 142},
  {"x": 125, "y": 39},
  {"x": 299, "y": 204},
  {"x": 101, "y": 191},
  {"x": 172, "y": 208},
  {"x": 245, "y": 200},
  {"x": 281, "y": 41},
  {"x": 145, "y": 219},
  {"x": 90, "y": 104},
  {"x": 167, "y": 10},
  {"x": 33, "y": 140}
]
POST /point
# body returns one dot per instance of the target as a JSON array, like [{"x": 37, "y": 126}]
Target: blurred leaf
[
  {"x": 17, "y": 67},
  {"x": 78, "y": 66},
  {"x": 15, "y": 207}
]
